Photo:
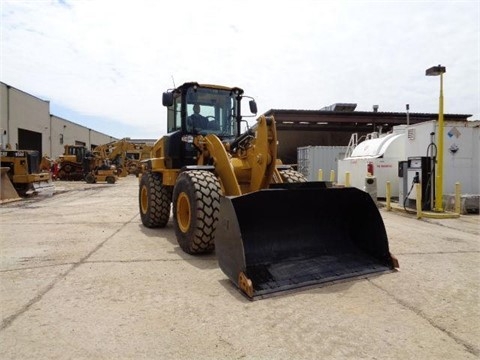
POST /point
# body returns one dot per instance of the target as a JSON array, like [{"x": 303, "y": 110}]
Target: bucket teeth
[
  {"x": 245, "y": 284},
  {"x": 395, "y": 263}
]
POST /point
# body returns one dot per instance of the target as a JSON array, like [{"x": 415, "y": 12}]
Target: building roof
[{"x": 353, "y": 121}]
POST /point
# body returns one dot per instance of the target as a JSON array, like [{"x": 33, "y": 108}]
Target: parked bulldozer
[
  {"x": 271, "y": 230},
  {"x": 78, "y": 163},
  {"x": 70, "y": 164},
  {"x": 24, "y": 172}
]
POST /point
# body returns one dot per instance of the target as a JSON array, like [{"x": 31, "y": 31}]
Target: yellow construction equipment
[
  {"x": 78, "y": 163},
  {"x": 118, "y": 153},
  {"x": 134, "y": 158},
  {"x": 7, "y": 190},
  {"x": 271, "y": 230},
  {"x": 46, "y": 164},
  {"x": 71, "y": 163},
  {"x": 24, "y": 171},
  {"x": 101, "y": 175}
]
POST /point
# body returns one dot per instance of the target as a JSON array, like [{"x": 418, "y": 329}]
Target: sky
[{"x": 104, "y": 64}]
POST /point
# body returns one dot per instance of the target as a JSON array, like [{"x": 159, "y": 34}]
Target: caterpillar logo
[{"x": 13, "y": 153}]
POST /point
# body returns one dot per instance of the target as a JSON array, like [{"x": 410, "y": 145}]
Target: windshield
[{"x": 211, "y": 111}]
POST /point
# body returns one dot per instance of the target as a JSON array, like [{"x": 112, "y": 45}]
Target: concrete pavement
[{"x": 81, "y": 278}]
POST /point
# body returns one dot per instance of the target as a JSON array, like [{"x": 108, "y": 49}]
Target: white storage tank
[{"x": 381, "y": 155}]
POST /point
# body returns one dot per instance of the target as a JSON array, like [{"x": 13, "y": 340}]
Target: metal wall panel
[
  {"x": 30, "y": 113},
  {"x": 312, "y": 158}
]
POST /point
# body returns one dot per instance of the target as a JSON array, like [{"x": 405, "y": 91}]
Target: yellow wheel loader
[
  {"x": 24, "y": 171},
  {"x": 271, "y": 230}
]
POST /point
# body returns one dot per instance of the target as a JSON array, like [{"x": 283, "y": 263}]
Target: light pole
[{"x": 435, "y": 71}]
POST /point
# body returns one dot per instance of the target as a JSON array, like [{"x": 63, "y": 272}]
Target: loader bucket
[
  {"x": 285, "y": 238},
  {"x": 7, "y": 191}
]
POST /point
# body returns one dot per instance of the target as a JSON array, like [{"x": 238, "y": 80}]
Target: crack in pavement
[
  {"x": 440, "y": 252},
  {"x": 106, "y": 262},
  {"x": 472, "y": 349}
]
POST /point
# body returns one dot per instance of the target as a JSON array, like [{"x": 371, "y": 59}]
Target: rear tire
[
  {"x": 61, "y": 175},
  {"x": 196, "y": 207},
  {"x": 154, "y": 200},
  {"x": 292, "y": 176},
  {"x": 110, "y": 179},
  {"x": 90, "y": 178}
]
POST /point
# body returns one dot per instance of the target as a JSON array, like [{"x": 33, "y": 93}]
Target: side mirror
[
  {"x": 167, "y": 99},
  {"x": 253, "y": 106}
]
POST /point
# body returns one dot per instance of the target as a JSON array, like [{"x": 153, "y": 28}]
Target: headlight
[{"x": 187, "y": 139}]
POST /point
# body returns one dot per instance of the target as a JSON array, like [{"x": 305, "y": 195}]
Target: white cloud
[{"x": 113, "y": 59}]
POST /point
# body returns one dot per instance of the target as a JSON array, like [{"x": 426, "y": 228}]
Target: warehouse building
[
  {"x": 334, "y": 125},
  {"x": 27, "y": 124}
]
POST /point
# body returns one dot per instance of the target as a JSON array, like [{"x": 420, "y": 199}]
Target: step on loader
[{"x": 271, "y": 230}]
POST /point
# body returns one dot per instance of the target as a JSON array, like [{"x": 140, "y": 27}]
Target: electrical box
[{"x": 420, "y": 169}]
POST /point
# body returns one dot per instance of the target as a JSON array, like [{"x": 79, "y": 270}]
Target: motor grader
[{"x": 271, "y": 230}]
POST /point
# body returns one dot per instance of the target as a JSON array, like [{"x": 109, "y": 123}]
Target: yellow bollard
[
  {"x": 347, "y": 179},
  {"x": 418, "y": 189},
  {"x": 320, "y": 175},
  {"x": 388, "y": 194},
  {"x": 458, "y": 205},
  {"x": 332, "y": 176}
]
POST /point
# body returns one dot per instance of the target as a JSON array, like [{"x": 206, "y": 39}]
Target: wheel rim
[
  {"x": 144, "y": 200},
  {"x": 183, "y": 212}
]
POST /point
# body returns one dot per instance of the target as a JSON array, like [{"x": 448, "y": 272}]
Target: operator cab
[
  {"x": 195, "y": 109},
  {"x": 205, "y": 109}
]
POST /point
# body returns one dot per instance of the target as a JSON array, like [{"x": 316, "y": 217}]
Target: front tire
[
  {"x": 154, "y": 200},
  {"x": 196, "y": 207}
]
